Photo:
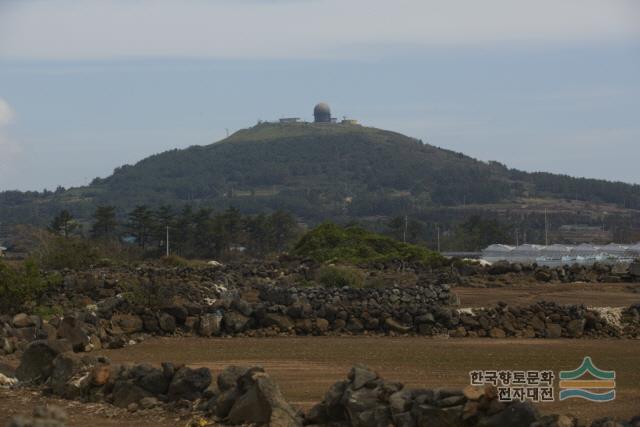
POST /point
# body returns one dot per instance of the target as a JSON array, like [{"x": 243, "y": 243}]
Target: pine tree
[
  {"x": 105, "y": 224},
  {"x": 63, "y": 224},
  {"x": 141, "y": 225}
]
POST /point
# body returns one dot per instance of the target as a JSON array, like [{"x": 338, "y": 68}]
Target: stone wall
[
  {"x": 243, "y": 395},
  {"x": 270, "y": 310}
]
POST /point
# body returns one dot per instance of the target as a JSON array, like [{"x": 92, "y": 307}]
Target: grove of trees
[{"x": 193, "y": 233}]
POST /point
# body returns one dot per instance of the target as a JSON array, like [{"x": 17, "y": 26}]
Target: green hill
[{"x": 316, "y": 171}]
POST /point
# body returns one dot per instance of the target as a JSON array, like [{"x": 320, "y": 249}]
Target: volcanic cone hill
[{"x": 316, "y": 171}]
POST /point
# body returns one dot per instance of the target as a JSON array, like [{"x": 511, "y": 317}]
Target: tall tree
[
  {"x": 104, "y": 222},
  {"x": 183, "y": 232},
  {"x": 283, "y": 227},
  {"x": 63, "y": 224},
  {"x": 141, "y": 225}
]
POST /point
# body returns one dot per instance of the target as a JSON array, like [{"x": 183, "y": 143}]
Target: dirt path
[
  {"x": 22, "y": 401},
  {"x": 305, "y": 367},
  {"x": 594, "y": 294}
]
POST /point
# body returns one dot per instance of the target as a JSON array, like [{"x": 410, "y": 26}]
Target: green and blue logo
[{"x": 571, "y": 386}]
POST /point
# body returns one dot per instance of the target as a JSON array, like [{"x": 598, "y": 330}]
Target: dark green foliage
[
  {"x": 406, "y": 229},
  {"x": 330, "y": 242},
  {"x": 19, "y": 286},
  {"x": 141, "y": 225},
  {"x": 63, "y": 224},
  {"x": 204, "y": 234},
  {"x": 104, "y": 223},
  {"x": 477, "y": 233},
  {"x": 315, "y": 172},
  {"x": 147, "y": 293},
  {"x": 180, "y": 262},
  {"x": 46, "y": 312},
  {"x": 340, "y": 276},
  {"x": 74, "y": 252}
]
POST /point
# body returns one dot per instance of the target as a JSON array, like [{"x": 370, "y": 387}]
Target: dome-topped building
[{"x": 322, "y": 113}]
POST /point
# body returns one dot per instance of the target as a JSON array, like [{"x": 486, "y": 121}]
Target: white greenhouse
[{"x": 556, "y": 255}]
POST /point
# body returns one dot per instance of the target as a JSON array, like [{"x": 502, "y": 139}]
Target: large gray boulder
[
  {"x": 575, "y": 328},
  {"x": 71, "y": 328},
  {"x": 210, "y": 324},
  {"x": 360, "y": 375},
  {"x": 36, "y": 364},
  {"x": 281, "y": 321},
  {"x": 167, "y": 323},
  {"x": 260, "y": 402},
  {"x": 178, "y": 312},
  {"x": 228, "y": 378},
  {"x": 66, "y": 366},
  {"x": 189, "y": 383},
  {"x": 127, "y": 323},
  {"x": 330, "y": 409},
  {"x": 22, "y": 320},
  {"x": 154, "y": 381},
  {"x": 235, "y": 322},
  {"x": 357, "y": 402},
  {"x": 125, "y": 392}
]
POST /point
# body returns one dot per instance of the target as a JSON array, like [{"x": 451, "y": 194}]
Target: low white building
[
  {"x": 556, "y": 255},
  {"x": 555, "y": 251},
  {"x": 496, "y": 252},
  {"x": 633, "y": 251},
  {"x": 614, "y": 249},
  {"x": 585, "y": 249},
  {"x": 526, "y": 253}
]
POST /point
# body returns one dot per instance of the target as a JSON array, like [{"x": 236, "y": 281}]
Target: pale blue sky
[{"x": 88, "y": 86}]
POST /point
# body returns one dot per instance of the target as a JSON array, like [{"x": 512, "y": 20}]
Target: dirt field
[
  {"x": 305, "y": 367},
  {"x": 590, "y": 294}
]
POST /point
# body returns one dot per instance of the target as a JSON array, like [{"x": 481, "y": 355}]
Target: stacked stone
[{"x": 248, "y": 396}]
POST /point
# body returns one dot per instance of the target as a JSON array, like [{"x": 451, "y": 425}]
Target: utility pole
[
  {"x": 438, "y": 235},
  {"x": 546, "y": 228},
  {"x": 517, "y": 243},
  {"x": 404, "y": 230},
  {"x": 167, "y": 245}
]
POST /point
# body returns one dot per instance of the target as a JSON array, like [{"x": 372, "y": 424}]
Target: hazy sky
[{"x": 86, "y": 86}]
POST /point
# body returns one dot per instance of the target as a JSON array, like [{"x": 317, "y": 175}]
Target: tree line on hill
[
  {"x": 192, "y": 233},
  {"x": 202, "y": 233}
]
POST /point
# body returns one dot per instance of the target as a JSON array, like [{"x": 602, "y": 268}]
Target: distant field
[
  {"x": 305, "y": 367},
  {"x": 590, "y": 294}
]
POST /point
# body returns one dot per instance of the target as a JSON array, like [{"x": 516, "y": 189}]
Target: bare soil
[
  {"x": 22, "y": 401},
  {"x": 589, "y": 294},
  {"x": 305, "y": 367}
]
